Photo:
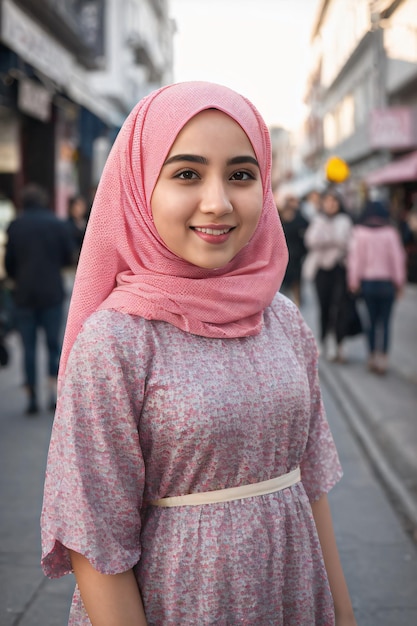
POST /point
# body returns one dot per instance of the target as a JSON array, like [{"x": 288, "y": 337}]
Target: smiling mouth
[{"x": 213, "y": 231}]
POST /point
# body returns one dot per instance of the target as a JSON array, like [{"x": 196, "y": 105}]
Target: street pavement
[
  {"x": 382, "y": 411},
  {"x": 374, "y": 421}
]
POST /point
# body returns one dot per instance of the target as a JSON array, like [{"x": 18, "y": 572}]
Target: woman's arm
[
  {"x": 110, "y": 600},
  {"x": 399, "y": 262},
  {"x": 342, "y": 603},
  {"x": 354, "y": 262}
]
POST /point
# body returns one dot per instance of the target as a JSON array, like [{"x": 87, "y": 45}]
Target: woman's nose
[{"x": 215, "y": 198}]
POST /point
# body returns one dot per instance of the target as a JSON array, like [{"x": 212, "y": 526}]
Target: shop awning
[{"x": 399, "y": 171}]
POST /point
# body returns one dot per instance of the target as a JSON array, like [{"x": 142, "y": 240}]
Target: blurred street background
[{"x": 333, "y": 78}]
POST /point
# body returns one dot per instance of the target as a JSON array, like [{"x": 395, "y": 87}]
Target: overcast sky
[{"x": 257, "y": 47}]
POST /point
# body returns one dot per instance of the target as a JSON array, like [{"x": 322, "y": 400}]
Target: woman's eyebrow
[
  {"x": 193, "y": 158},
  {"x": 238, "y": 160}
]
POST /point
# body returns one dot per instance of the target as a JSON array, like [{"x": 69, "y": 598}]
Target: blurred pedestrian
[
  {"x": 7, "y": 214},
  {"x": 77, "y": 223},
  {"x": 327, "y": 239},
  {"x": 294, "y": 226},
  {"x": 5, "y": 321},
  {"x": 189, "y": 393},
  {"x": 311, "y": 205},
  {"x": 407, "y": 226},
  {"x": 376, "y": 269},
  {"x": 38, "y": 247}
]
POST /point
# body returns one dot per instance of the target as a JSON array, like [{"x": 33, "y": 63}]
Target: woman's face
[
  {"x": 79, "y": 208},
  {"x": 208, "y": 198},
  {"x": 330, "y": 205}
]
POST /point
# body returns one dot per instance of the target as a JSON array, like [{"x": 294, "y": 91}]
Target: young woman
[
  {"x": 189, "y": 402},
  {"x": 376, "y": 268},
  {"x": 327, "y": 239}
]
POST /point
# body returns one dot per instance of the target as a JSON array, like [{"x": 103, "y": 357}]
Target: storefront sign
[
  {"x": 33, "y": 44},
  {"x": 34, "y": 100},
  {"x": 393, "y": 128},
  {"x": 92, "y": 25}
]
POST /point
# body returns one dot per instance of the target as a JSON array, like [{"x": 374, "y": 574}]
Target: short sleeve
[
  {"x": 95, "y": 470},
  {"x": 320, "y": 465}
]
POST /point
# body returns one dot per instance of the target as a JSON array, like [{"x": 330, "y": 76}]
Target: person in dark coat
[
  {"x": 295, "y": 226},
  {"x": 77, "y": 223},
  {"x": 38, "y": 247}
]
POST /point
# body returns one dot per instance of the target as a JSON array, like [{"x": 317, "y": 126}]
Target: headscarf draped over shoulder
[{"x": 124, "y": 264}]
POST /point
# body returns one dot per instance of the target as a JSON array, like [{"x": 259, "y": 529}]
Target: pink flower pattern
[{"x": 148, "y": 411}]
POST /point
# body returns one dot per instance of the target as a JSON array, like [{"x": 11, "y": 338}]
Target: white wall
[{"x": 129, "y": 24}]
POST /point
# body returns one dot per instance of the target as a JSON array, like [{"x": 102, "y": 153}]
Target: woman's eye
[
  {"x": 240, "y": 175},
  {"x": 186, "y": 175}
]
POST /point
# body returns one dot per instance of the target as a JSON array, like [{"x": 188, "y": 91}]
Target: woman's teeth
[{"x": 211, "y": 231}]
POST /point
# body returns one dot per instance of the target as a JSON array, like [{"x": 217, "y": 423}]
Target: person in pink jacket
[{"x": 376, "y": 268}]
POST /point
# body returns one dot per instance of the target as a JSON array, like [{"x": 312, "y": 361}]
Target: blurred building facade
[
  {"x": 70, "y": 72},
  {"x": 361, "y": 96},
  {"x": 282, "y": 156}
]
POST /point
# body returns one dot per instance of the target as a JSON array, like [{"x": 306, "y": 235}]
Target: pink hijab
[{"x": 124, "y": 264}]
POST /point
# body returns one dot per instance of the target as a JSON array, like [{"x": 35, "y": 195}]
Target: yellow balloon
[{"x": 337, "y": 170}]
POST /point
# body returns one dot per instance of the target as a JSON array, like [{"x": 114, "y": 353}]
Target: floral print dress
[{"x": 149, "y": 411}]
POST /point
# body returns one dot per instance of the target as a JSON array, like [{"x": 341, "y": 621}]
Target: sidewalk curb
[{"x": 357, "y": 417}]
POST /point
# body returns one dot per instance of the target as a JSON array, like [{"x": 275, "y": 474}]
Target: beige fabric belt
[{"x": 234, "y": 493}]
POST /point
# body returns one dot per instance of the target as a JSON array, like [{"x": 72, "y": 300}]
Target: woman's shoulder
[
  {"x": 283, "y": 307},
  {"x": 385, "y": 232},
  {"x": 318, "y": 219},
  {"x": 323, "y": 221},
  {"x": 106, "y": 319},
  {"x": 291, "y": 321},
  {"x": 361, "y": 232},
  {"x": 110, "y": 331}
]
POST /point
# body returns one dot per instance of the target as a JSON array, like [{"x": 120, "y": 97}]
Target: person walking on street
[
  {"x": 294, "y": 226},
  {"x": 190, "y": 456},
  {"x": 7, "y": 215},
  {"x": 77, "y": 223},
  {"x": 327, "y": 239},
  {"x": 311, "y": 205},
  {"x": 377, "y": 270},
  {"x": 38, "y": 247}
]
